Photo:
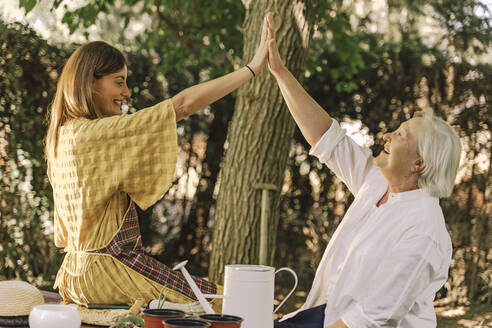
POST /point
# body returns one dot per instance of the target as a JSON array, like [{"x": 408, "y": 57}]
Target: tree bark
[{"x": 259, "y": 138}]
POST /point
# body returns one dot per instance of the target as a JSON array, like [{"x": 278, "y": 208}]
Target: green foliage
[
  {"x": 28, "y": 5},
  {"x": 28, "y": 70},
  {"x": 129, "y": 319},
  {"x": 84, "y": 16},
  {"x": 184, "y": 32},
  {"x": 337, "y": 35},
  {"x": 353, "y": 73}
]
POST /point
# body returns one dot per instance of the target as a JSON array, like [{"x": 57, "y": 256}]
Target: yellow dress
[{"x": 99, "y": 164}]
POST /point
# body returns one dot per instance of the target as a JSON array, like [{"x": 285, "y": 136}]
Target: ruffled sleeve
[{"x": 135, "y": 154}]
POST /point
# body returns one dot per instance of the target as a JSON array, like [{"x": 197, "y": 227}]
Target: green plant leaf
[
  {"x": 28, "y": 5},
  {"x": 130, "y": 318}
]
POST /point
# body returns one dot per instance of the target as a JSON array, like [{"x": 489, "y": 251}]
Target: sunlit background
[{"x": 371, "y": 65}]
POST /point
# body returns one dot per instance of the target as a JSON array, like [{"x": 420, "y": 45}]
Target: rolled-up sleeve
[
  {"x": 404, "y": 275},
  {"x": 348, "y": 161}
]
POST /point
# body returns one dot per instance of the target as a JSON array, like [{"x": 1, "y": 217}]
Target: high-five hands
[
  {"x": 257, "y": 64},
  {"x": 267, "y": 50}
]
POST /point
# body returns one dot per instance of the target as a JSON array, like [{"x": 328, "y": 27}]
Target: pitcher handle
[{"x": 290, "y": 293}]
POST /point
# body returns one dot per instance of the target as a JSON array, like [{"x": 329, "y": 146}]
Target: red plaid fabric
[{"x": 126, "y": 247}]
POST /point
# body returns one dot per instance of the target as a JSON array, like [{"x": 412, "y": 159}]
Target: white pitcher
[{"x": 249, "y": 293}]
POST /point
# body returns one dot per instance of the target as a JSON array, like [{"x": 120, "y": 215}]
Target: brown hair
[{"x": 74, "y": 97}]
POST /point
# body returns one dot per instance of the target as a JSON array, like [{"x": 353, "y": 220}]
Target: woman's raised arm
[
  {"x": 201, "y": 95},
  {"x": 308, "y": 114}
]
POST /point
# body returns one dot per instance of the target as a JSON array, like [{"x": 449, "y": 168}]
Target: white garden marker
[{"x": 203, "y": 302}]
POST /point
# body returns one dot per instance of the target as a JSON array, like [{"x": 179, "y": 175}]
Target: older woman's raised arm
[{"x": 308, "y": 114}]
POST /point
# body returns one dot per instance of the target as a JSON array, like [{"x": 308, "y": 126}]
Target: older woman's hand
[
  {"x": 258, "y": 62},
  {"x": 338, "y": 324},
  {"x": 275, "y": 63}
]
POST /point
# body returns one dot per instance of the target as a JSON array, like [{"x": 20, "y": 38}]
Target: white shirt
[{"x": 383, "y": 265}]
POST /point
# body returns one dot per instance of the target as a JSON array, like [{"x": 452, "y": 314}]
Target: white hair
[{"x": 440, "y": 148}]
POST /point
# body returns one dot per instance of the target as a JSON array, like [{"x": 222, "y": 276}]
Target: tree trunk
[{"x": 259, "y": 138}]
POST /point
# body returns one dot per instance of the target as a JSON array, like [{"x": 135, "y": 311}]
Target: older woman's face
[
  {"x": 400, "y": 149},
  {"x": 110, "y": 91}
]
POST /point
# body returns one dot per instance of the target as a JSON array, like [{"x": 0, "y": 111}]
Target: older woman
[
  {"x": 101, "y": 163},
  {"x": 391, "y": 252}
]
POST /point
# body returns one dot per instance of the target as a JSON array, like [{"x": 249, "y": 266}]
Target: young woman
[
  {"x": 391, "y": 252},
  {"x": 101, "y": 163}
]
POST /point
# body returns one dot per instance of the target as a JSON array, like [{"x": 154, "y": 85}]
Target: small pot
[
  {"x": 153, "y": 318},
  {"x": 222, "y": 320},
  {"x": 184, "y": 323},
  {"x": 54, "y": 316}
]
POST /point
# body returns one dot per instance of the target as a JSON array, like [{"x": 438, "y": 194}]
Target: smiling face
[
  {"x": 399, "y": 159},
  {"x": 110, "y": 91}
]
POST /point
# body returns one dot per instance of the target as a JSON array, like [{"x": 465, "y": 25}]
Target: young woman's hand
[
  {"x": 258, "y": 62},
  {"x": 275, "y": 63},
  {"x": 201, "y": 95}
]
